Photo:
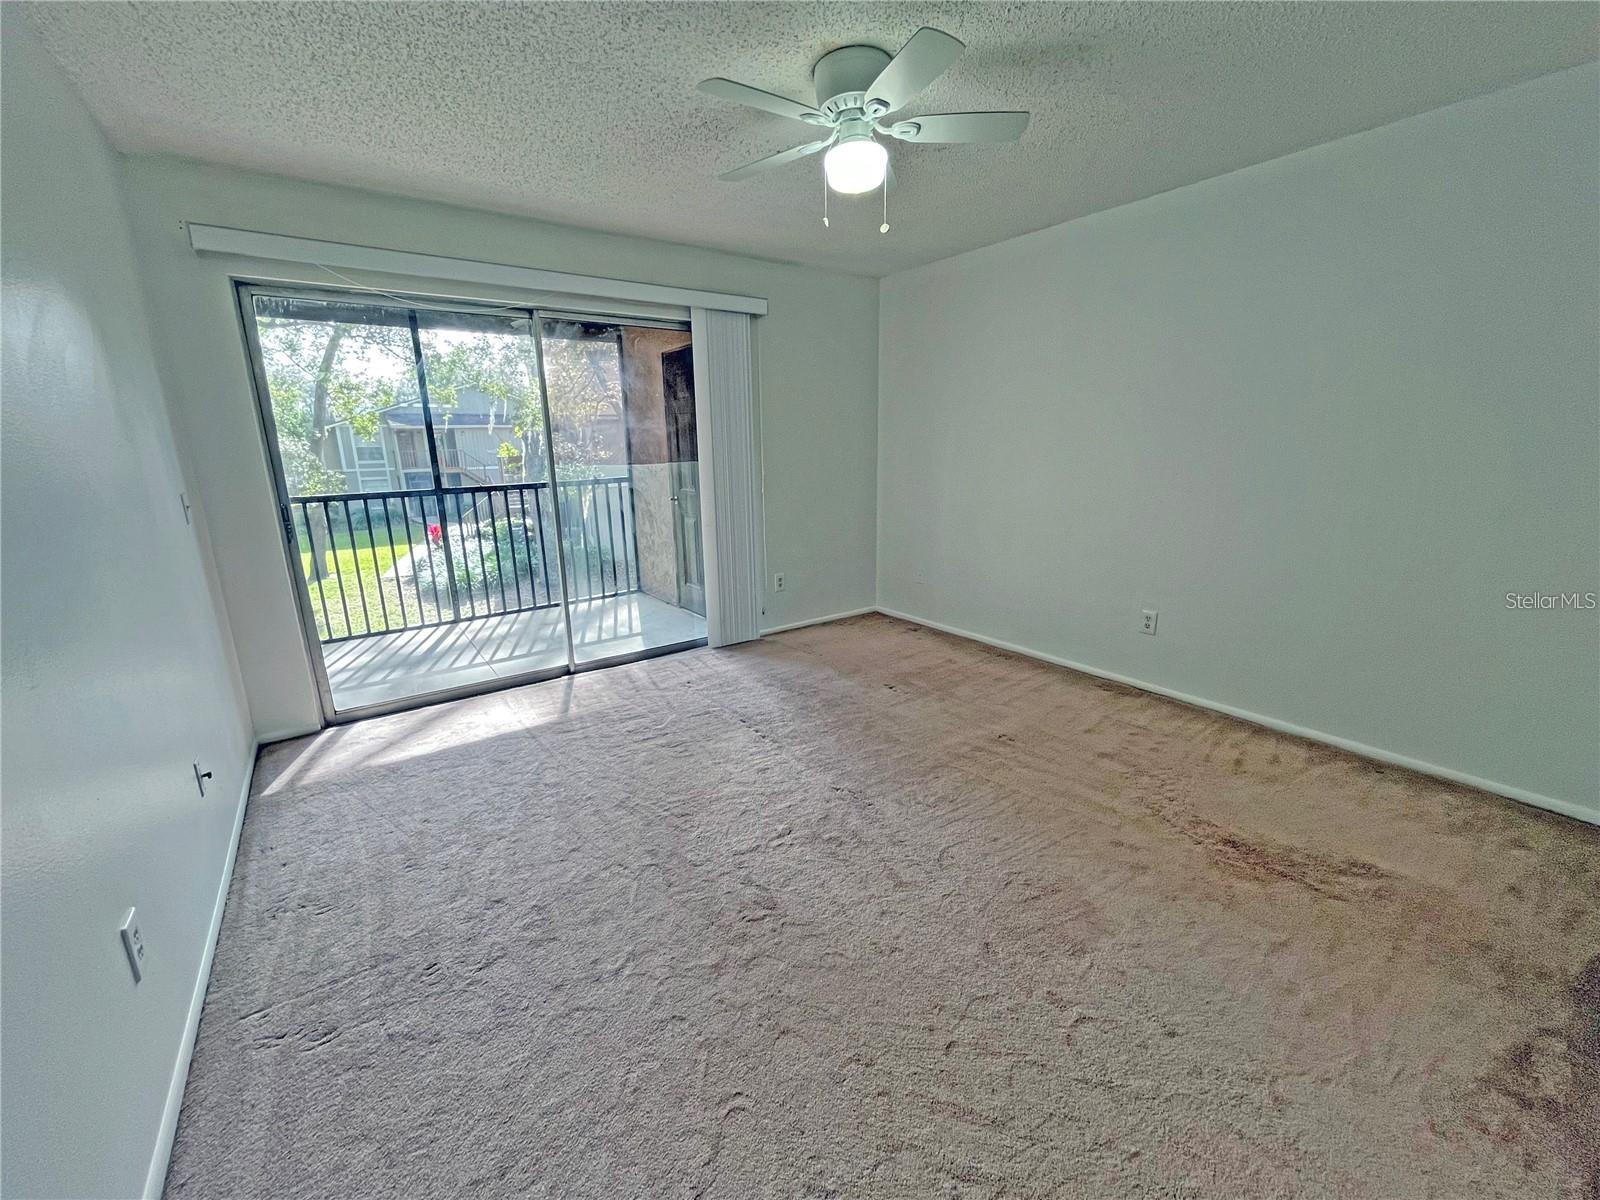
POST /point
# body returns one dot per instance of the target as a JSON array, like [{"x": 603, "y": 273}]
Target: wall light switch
[
  {"x": 1147, "y": 622},
  {"x": 133, "y": 943}
]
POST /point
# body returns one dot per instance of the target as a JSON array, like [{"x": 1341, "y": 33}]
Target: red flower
[{"x": 434, "y": 534}]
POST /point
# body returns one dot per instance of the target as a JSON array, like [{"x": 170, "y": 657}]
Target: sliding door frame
[{"x": 245, "y": 289}]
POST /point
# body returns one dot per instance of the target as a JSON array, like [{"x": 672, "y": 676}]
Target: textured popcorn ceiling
[{"x": 586, "y": 114}]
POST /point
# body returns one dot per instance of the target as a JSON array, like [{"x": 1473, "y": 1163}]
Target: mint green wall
[
  {"x": 817, "y": 376},
  {"x": 1322, "y": 414}
]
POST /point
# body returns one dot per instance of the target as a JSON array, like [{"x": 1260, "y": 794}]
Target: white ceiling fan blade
[
  {"x": 743, "y": 93},
  {"x": 772, "y": 160},
  {"x": 961, "y": 127},
  {"x": 923, "y": 59}
]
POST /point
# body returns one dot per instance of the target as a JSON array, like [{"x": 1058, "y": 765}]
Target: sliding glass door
[
  {"x": 471, "y": 496},
  {"x": 619, "y": 409},
  {"x": 499, "y": 537}
]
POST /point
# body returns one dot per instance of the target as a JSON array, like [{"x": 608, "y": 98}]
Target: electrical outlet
[
  {"x": 1147, "y": 622},
  {"x": 133, "y": 943},
  {"x": 777, "y": 581}
]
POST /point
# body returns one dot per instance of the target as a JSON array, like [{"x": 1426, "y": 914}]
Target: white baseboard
[
  {"x": 283, "y": 735},
  {"x": 838, "y": 616},
  {"x": 156, "y": 1179},
  {"x": 1565, "y": 807}
]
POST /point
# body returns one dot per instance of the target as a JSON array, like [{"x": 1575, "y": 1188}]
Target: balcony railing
[{"x": 399, "y": 560}]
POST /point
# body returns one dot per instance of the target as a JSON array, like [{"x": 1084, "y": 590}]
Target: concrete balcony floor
[{"x": 415, "y": 662}]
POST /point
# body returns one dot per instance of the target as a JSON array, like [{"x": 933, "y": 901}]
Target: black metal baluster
[
  {"x": 470, "y": 499},
  {"x": 494, "y": 541},
  {"x": 616, "y": 582},
  {"x": 477, "y": 513},
  {"x": 584, "y": 505},
  {"x": 563, "y": 546},
  {"x": 394, "y": 565},
  {"x": 344, "y": 603},
  {"x": 355, "y": 560},
  {"x": 483, "y": 562},
  {"x": 411, "y": 550},
  {"x": 472, "y": 592},
  {"x": 518, "y": 527},
  {"x": 622, "y": 516},
  {"x": 511, "y": 546},
  {"x": 443, "y": 501},
  {"x": 628, "y": 541},
  {"x": 483, "y": 559},
  {"x": 317, "y": 571},
  {"x": 611, "y": 540},
  {"x": 633, "y": 535},
  {"x": 622, "y": 526},
  {"x": 427, "y": 546},
  {"x": 544, "y": 553},
  {"x": 527, "y": 544},
  {"x": 538, "y": 536},
  {"x": 575, "y": 534},
  {"x": 598, "y": 493},
  {"x": 566, "y": 532},
  {"x": 377, "y": 571},
  {"x": 433, "y": 566}
]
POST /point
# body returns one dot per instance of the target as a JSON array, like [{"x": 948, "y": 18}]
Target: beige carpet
[{"x": 867, "y": 911}]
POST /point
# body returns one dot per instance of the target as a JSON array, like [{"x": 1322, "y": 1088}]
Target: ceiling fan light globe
[{"x": 855, "y": 166}]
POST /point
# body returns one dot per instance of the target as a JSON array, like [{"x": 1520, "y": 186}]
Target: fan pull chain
[
  {"x": 824, "y": 201},
  {"x": 884, "y": 228}
]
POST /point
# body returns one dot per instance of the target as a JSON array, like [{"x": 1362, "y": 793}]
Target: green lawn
[{"x": 364, "y": 571}]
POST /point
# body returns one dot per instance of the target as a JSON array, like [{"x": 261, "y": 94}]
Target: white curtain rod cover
[{"x": 217, "y": 239}]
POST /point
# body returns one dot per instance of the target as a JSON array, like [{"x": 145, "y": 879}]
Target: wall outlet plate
[
  {"x": 1147, "y": 621},
  {"x": 133, "y": 943},
  {"x": 777, "y": 581}
]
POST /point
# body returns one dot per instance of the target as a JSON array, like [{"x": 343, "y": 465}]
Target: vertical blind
[{"x": 724, "y": 386}]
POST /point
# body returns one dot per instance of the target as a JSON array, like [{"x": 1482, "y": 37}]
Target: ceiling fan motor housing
[
  {"x": 844, "y": 75},
  {"x": 857, "y": 88}
]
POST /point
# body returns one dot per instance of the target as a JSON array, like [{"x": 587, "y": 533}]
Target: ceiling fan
[{"x": 858, "y": 87}]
